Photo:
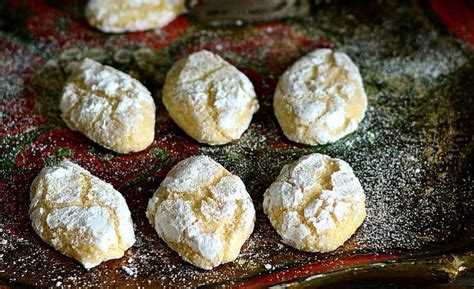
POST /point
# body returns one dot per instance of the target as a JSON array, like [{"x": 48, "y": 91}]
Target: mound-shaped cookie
[
  {"x": 316, "y": 203},
  {"x": 132, "y": 15},
  {"x": 80, "y": 215},
  {"x": 203, "y": 212},
  {"x": 320, "y": 99},
  {"x": 109, "y": 107},
  {"x": 211, "y": 100}
]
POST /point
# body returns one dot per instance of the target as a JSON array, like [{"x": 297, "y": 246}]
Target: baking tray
[{"x": 413, "y": 151}]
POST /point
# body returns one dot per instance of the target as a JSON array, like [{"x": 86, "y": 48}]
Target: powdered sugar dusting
[
  {"x": 219, "y": 100},
  {"x": 80, "y": 215},
  {"x": 109, "y": 107},
  {"x": 202, "y": 212},
  {"x": 313, "y": 195},
  {"x": 135, "y": 15},
  {"x": 408, "y": 152},
  {"x": 321, "y": 98}
]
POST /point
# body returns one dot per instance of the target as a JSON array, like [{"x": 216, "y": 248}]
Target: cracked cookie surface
[
  {"x": 203, "y": 212},
  {"x": 211, "y": 100},
  {"x": 320, "y": 98},
  {"x": 316, "y": 203},
  {"x": 109, "y": 107},
  {"x": 132, "y": 15},
  {"x": 80, "y": 215}
]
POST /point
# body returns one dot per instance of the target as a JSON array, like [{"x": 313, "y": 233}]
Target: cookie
[
  {"x": 211, "y": 100},
  {"x": 132, "y": 15},
  {"x": 109, "y": 107},
  {"x": 316, "y": 203},
  {"x": 80, "y": 215},
  {"x": 203, "y": 212},
  {"x": 320, "y": 99}
]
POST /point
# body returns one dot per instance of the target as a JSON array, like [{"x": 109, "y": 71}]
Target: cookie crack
[
  {"x": 211, "y": 98},
  {"x": 206, "y": 75}
]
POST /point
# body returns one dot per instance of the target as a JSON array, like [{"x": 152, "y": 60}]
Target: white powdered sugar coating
[
  {"x": 109, "y": 107},
  {"x": 321, "y": 98},
  {"x": 80, "y": 215},
  {"x": 203, "y": 212},
  {"x": 316, "y": 203},
  {"x": 132, "y": 15},
  {"x": 209, "y": 98}
]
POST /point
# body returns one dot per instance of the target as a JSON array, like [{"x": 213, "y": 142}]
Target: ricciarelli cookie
[
  {"x": 211, "y": 100},
  {"x": 202, "y": 212},
  {"x": 320, "y": 99},
  {"x": 316, "y": 203},
  {"x": 132, "y": 15},
  {"x": 80, "y": 215},
  {"x": 109, "y": 107}
]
